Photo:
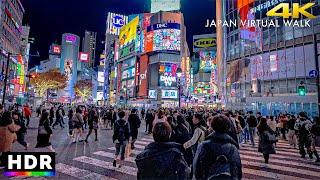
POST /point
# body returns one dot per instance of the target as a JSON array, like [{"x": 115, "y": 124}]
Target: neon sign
[
  {"x": 71, "y": 38},
  {"x": 168, "y": 75}
]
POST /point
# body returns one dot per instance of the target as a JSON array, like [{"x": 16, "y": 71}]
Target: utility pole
[{"x": 5, "y": 79}]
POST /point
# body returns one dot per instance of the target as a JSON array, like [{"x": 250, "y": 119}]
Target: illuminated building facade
[
  {"x": 265, "y": 66},
  {"x": 69, "y": 61}
]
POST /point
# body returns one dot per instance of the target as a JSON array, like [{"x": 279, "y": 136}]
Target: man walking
[{"x": 134, "y": 123}]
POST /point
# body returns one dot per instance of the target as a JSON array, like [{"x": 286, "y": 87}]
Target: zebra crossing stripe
[
  {"x": 139, "y": 146},
  {"x": 282, "y": 168},
  {"x": 80, "y": 173},
  {"x": 266, "y": 174},
  {"x": 147, "y": 139},
  {"x": 284, "y": 162},
  {"x": 288, "y": 158},
  {"x": 277, "y": 148},
  {"x": 111, "y": 155},
  {"x": 143, "y": 142},
  {"x": 107, "y": 165},
  {"x": 282, "y": 152},
  {"x": 134, "y": 151}
]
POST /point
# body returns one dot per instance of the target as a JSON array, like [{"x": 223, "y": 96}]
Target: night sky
[{"x": 49, "y": 19}]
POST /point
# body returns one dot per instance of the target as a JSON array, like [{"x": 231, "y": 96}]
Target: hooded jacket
[
  {"x": 162, "y": 161},
  {"x": 121, "y": 124},
  {"x": 210, "y": 149}
]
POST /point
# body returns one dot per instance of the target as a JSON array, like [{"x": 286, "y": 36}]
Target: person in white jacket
[{"x": 199, "y": 133}]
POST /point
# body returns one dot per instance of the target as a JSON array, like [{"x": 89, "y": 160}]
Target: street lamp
[{"x": 179, "y": 74}]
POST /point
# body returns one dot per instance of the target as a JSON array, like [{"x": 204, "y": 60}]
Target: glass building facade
[{"x": 266, "y": 65}]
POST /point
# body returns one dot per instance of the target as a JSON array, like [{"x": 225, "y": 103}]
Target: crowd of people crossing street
[{"x": 198, "y": 143}]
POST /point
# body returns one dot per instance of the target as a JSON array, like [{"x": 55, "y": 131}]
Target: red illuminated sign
[
  {"x": 84, "y": 57},
  {"x": 56, "y": 49}
]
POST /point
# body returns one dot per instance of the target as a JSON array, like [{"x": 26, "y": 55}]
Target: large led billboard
[
  {"x": 166, "y": 39},
  {"x": 164, "y": 5},
  {"x": 129, "y": 32},
  {"x": 168, "y": 75},
  {"x": 207, "y": 59}
]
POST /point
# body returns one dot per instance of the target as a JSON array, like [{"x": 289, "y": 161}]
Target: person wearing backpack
[
  {"x": 199, "y": 134},
  {"x": 162, "y": 159},
  {"x": 302, "y": 126},
  {"x": 315, "y": 134},
  {"x": 252, "y": 124},
  {"x": 120, "y": 137},
  {"x": 267, "y": 139},
  {"x": 218, "y": 157}
]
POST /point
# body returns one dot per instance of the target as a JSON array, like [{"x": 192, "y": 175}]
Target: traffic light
[{"x": 302, "y": 90}]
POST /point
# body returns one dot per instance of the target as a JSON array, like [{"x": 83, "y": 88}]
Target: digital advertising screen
[
  {"x": 207, "y": 59},
  {"x": 128, "y": 73},
  {"x": 166, "y": 39},
  {"x": 164, "y": 5},
  {"x": 129, "y": 32},
  {"x": 168, "y": 75}
]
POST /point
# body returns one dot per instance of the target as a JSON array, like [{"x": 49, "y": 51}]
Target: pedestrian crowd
[{"x": 188, "y": 143}]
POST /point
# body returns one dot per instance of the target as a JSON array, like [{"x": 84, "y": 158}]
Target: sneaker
[{"x": 114, "y": 163}]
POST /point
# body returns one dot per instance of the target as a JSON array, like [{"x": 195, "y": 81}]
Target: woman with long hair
[
  {"x": 44, "y": 132},
  {"x": 77, "y": 121},
  {"x": 267, "y": 139}
]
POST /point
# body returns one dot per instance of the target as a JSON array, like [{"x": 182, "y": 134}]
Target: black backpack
[
  {"x": 122, "y": 133},
  {"x": 222, "y": 168}
]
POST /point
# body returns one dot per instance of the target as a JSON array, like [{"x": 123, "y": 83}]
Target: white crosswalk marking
[
  {"x": 266, "y": 174},
  {"x": 106, "y": 165},
  {"x": 285, "y": 164},
  {"x": 111, "y": 155},
  {"x": 80, "y": 173}
]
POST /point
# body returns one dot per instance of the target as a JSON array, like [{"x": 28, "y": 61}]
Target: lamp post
[{"x": 179, "y": 74}]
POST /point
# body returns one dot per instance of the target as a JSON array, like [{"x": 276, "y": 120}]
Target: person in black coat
[
  {"x": 44, "y": 132},
  {"x": 51, "y": 115},
  {"x": 149, "y": 121},
  {"x": 93, "y": 120},
  {"x": 218, "y": 152},
  {"x": 134, "y": 123},
  {"x": 162, "y": 159},
  {"x": 18, "y": 120},
  {"x": 266, "y": 144}
]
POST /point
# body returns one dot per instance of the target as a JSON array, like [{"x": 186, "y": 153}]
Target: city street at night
[{"x": 159, "y": 89}]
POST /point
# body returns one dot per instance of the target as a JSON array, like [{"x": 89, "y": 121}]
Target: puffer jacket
[
  {"x": 162, "y": 161},
  {"x": 217, "y": 144}
]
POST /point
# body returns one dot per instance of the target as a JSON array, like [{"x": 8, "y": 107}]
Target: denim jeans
[
  {"x": 251, "y": 134},
  {"x": 245, "y": 134}
]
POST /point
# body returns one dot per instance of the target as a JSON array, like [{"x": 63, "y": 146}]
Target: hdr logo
[{"x": 29, "y": 164}]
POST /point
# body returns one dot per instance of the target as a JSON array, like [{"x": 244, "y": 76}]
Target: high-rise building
[
  {"x": 11, "y": 15},
  {"x": 114, "y": 23},
  {"x": 165, "y": 5},
  {"x": 266, "y": 65},
  {"x": 69, "y": 61},
  {"x": 89, "y": 43}
]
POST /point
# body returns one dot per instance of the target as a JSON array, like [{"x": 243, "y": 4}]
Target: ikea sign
[{"x": 204, "y": 42}]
